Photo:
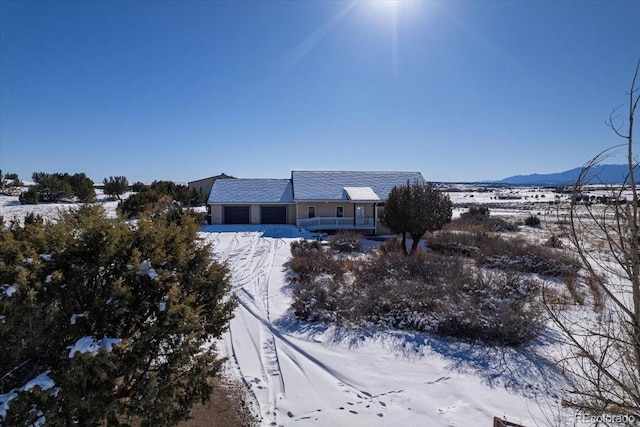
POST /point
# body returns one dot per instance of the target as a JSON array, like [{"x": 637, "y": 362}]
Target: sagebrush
[{"x": 427, "y": 292}]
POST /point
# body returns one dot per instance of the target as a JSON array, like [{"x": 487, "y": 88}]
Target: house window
[
  {"x": 311, "y": 212},
  {"x": 339, "y": 211}
]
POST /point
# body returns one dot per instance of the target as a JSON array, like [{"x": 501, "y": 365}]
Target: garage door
[
  {"x": 273, "y": 214},
  {"x": 236, "y": 215}
]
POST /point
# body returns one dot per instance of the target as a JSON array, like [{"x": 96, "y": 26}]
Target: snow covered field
[
  {"x": 11, "y": 208},
  {"x": 300, "y": 373}
]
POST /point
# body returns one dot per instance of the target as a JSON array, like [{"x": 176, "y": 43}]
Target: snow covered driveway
[{"x": 304, "y": 374}]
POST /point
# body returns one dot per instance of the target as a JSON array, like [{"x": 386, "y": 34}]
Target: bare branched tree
[{"x": 603, "y": 364}]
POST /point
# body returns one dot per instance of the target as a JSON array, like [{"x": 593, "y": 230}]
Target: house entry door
[{"x": 359, "y": 215}]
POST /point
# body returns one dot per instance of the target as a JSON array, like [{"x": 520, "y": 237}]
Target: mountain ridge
[{"x": 598, "y": 174}]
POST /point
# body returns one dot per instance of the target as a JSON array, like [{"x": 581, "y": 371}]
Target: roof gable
[
  {"x": 211, "y": 178},
  {"x": 251, "y": 191},
  {"x": 330, "y": 185}
]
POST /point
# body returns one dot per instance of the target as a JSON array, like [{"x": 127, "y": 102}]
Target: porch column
[
  {"x": 375, "y": 219},
  {"x": 354, "y": 215}
]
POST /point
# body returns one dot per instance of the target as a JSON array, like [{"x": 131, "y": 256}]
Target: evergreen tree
[
  {"x": 415, "y": 208},
  {"x": 177, "y": 192},
  {"x": 137, "y": 203},
  {"x": 29, "y": 197},
  {"x": 157, "y": 197},
  {"x": 82, "y": 187},
  {"x": 52, "y": 187},
  {"x": 113, "y": 322},
  {"x": 138, "y": 186},
  {"x": 196, "y": 197},
  {"x": 164, "y": 187},
  {"x": 115, "y": 186},
  {"x": 59, "y": 186}
]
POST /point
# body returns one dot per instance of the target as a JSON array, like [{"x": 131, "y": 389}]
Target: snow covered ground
[
  {"x": 300, "y": 373},
  {"x": 10, "y": 207}
]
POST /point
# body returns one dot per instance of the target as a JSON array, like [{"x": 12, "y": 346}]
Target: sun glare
[
  {"x": 391, "y": 20},
  {"x": 390, "y": 6},
  {"x": 391, "y": 12},
  {"x": 384, "y": 4}
]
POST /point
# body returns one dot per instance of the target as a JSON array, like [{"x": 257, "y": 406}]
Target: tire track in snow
[
  {"x": 292, "y": 350},
  {"x": 251, "y": 258}
]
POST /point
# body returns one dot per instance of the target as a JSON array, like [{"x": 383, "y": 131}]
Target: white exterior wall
[
  {"x": 216, "y": 214},
  {"x": 254, "y": 214}
]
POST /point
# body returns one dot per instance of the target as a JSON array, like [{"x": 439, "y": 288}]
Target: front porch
[{"x": 336, "y": 223}]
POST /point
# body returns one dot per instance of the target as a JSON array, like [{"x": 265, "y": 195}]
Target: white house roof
[
  {"x": 362, "y": 194},
  {"x": 330, "y": 185},
  {"x": 251, "y": 191}
]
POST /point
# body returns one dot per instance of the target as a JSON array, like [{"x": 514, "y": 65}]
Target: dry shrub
[
  {"x": 309, "y": 260},
  {"x": 318, "y": 284},
  {"x": 346, "y": 241},
  {"x": 572, "y": 286},
  {"x": 305, "y": 245},
  {"x": 350, "y": 264},
  {"x": 601, "y": 244},
  {"x": 391, "y": 246},
  {"x": 554, "y": 242},
  {"x": 511, "y": 253},
  {"x": 555, "y": 298},
  {"x": 517, "y": 254},
  {"x": 593, "y": 284},
  {"x": 426, "y": 292},
  {"x": 490, "y": 306},
  {"x": 456, "y": 242},
  {"x": 423, "y": 266},
  {"x": 478, "y": 219},
  {"x": 318, "y": 299},
  {"x": 532, "y": 221}
]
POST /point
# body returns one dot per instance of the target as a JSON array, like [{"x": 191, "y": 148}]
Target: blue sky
[{"x": 182, "y": 90}]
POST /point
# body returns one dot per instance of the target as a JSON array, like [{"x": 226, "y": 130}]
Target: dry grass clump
[
  {"x": 554, "y": 242},
  {"x": 594, "y": 286},
  {"x": 572, "y": 287},
  {"x": 556, "y": 298}
]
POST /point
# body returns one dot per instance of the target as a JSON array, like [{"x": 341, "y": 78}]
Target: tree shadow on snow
[
  {"x": 8, "y": 203},
  {"x": 523, "y": 369}
]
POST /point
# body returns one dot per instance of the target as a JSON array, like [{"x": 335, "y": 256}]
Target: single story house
[{"x": 312, "y": 200}]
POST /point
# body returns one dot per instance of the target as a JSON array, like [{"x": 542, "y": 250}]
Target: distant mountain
[{"x": 600, "y": 174}]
